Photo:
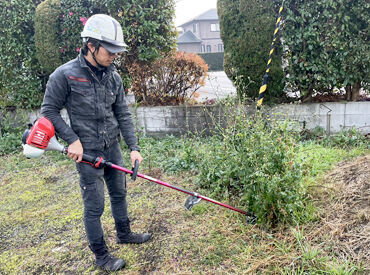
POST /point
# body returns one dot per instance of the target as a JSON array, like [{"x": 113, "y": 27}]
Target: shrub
[
  {"x": 46, "y": 38},
  {"x": 19, "y": 69},
  {"x": 247, "y": 29},
  {"x": 254, "y": 162},
  {"x": 12, "y": 127},
  {"x": 168, "y": 81}
]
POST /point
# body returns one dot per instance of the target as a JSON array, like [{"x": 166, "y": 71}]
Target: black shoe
[
  {"x": 134, "y": 238},
  {"x": 109, "y": 262}
]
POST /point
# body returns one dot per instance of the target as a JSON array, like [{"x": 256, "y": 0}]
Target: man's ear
[{"x": 91, "y": 47}]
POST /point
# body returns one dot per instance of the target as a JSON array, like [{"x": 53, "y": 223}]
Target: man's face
[{"x": 104, "y": 57}]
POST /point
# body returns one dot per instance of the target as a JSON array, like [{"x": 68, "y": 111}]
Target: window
[
  {"x": 220, "y": 47},
  {"x": 203, "y": 49},
  {"x": 208, "y": 48},
  {"x": 215, "y": 27},
  {"x": 195, "y": 28}
]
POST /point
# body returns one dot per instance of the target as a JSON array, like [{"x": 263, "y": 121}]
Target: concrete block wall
[
  {"x": 178, "y": 120},
  {"x": 331, "y": 116}
]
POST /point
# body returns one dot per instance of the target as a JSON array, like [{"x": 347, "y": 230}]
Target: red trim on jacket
[{"x": 79, "y": 79}]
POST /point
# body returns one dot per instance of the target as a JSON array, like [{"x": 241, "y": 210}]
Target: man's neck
[{"x": 91, "y": 60}]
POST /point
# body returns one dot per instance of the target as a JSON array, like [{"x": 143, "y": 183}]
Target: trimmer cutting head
[{"x": 191, "y": 201}]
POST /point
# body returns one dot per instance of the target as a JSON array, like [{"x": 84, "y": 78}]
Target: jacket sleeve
[
  {"x": 54, "y": 100},
  {"x": 123, "y": 116}
]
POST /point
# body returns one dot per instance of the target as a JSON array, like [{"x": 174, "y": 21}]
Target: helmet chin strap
[{"x": 100, "y": 67}]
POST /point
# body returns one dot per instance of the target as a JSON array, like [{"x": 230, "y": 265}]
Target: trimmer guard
[{"x": 191, "y": 201}]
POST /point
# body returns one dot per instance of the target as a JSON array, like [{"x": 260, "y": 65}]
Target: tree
[{"x": 247, "y": 28}]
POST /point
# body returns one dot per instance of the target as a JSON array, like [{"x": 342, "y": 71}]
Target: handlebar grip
[
  {"x": 88, "y": 158},
  {"x": 134, "y": 170}
]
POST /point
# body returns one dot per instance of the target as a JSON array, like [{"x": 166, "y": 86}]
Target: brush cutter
[{"x": 41, "y": 137}]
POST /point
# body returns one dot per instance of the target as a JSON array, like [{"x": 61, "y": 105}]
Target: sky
[{"x": 188, "y": 9}]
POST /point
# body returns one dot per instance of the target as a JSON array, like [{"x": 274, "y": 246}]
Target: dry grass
[{"x": 345, "y": 207}]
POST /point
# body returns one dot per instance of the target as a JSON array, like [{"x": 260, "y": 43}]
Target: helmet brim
[{"x": 112, "y": 48}]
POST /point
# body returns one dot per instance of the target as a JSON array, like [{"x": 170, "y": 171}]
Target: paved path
[{"x": 218, "y": 86}]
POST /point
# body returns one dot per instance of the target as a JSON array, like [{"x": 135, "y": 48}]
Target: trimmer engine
[{"x": 40, "y": 138}]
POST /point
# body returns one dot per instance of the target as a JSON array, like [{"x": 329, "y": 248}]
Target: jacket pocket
[
  {"x": 110, "y": 97},
  {"x": 83, "y": 101}
]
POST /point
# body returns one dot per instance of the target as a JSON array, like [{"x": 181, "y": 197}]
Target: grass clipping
[{"x": 345, "y": 217}]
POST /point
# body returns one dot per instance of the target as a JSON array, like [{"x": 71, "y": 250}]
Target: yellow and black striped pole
[{"x": 266, "y": 76}]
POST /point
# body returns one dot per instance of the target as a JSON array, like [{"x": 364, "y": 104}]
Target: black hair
[{"x": 85, "y": 47}]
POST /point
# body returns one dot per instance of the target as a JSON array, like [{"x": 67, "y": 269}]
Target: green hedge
[
  {"x": 215, "y": 61},
  {"x": 46, "y": 35},
  {"x": 327, "y": 46},
  {"x": 20, "y": 82}
]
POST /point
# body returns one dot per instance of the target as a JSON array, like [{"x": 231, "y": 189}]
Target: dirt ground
[{"x": 345, "y": 219}]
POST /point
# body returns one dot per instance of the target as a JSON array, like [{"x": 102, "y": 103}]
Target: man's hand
[
  {"x": 75, "y": 151},
  {"x": 135, "y": 155}
]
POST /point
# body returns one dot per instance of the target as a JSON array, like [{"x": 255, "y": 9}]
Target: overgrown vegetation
[{"x": 255, "y": 161}]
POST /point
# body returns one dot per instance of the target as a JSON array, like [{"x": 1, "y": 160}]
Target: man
[{"x": 91, "y": 90}]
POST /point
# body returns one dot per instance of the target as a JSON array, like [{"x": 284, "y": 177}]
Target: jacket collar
[{"x": 83, "y": 63}]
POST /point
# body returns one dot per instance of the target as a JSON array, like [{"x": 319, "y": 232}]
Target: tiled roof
[
  {"x": 188, "y": 37},
  {"x": 208, "y": 15}
]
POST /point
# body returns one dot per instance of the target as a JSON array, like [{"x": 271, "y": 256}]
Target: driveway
[{"x": 217, "y": 86}]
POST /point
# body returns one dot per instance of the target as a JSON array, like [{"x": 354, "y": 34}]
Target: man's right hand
[{"x": 75, "y": 151}]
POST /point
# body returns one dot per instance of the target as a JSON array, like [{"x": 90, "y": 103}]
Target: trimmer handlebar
[
  {"x": 99, "y": 162},
  {"x": 89, "y": 158}
]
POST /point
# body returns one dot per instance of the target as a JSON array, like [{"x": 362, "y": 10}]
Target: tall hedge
[
  {"x": 327, "y": 46},
  {"x": 19, "y": 71},
  {"x": 46, "y": 35},
  {"x": 247, "y": 28}
]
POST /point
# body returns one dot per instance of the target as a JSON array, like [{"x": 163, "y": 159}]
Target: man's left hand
[{"x": 135, "y": 155}]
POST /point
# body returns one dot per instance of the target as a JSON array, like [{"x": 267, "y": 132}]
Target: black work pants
[{"x": 92, "y": 189}]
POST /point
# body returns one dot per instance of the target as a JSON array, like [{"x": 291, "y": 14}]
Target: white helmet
[{"x": 107, "y": 30}]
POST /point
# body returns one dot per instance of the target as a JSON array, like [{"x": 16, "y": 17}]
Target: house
[{"x": 201, "y": 34}]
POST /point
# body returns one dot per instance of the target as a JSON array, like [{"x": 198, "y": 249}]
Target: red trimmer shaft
[
  {"x": 191, "y": 201},
  {"x": 178, "y": 189}
]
